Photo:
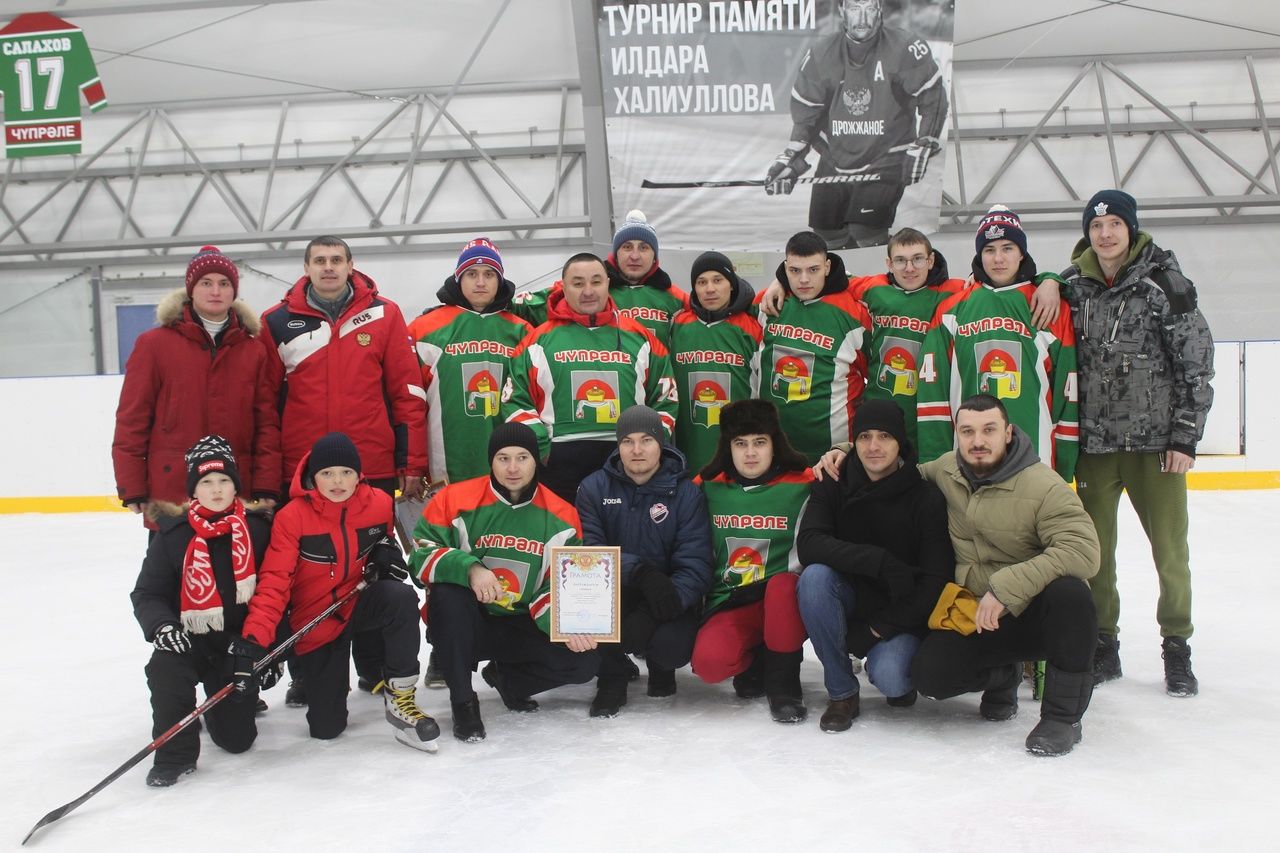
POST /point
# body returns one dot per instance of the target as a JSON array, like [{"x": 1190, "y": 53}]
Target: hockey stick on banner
[
  {"x": 696, "y": 185},
  {"x": 208, "y": 703}
]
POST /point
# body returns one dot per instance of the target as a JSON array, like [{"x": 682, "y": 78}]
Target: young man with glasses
[{"x": 901, "y": 302}]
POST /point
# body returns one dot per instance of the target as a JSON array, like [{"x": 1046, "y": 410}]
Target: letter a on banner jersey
[{"x": 45, "y": 64}]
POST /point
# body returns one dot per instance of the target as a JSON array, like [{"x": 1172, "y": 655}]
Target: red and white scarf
[{"x": 201, "y": 606}]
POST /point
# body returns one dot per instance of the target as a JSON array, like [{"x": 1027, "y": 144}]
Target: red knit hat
[{"x": 210, "y": 259}]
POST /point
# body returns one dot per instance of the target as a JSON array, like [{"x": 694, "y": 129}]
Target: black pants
[
  {"x": 465, "y": 634},
  {"x": 385, "y": 613},
  {"x": 172, "y": 679},
  {"x": 570, "y": 462},
  {"x": 1060, "y": 627},
  {"x": 665, "y": 645}
]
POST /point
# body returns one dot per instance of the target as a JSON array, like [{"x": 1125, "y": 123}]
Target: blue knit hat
[
  {"x": 479, "y": 251},
  {"x": 636, "y": 227},
  {"x": 1115, "y": 203},
  {"x": 1000, "y": 223}
]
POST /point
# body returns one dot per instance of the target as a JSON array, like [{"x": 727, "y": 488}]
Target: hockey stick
[
  {"x": 694, "y": 185},
  {"x": 208, "y": 703}
]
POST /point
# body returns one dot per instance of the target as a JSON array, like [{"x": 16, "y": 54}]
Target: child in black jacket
[{"x": 191, "y": 596}]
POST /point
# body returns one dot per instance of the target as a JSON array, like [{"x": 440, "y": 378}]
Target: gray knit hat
[{"x": 641, "y": 419}]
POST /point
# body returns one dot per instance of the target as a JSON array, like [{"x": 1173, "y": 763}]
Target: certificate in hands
[{"x": 586, "y": 593}]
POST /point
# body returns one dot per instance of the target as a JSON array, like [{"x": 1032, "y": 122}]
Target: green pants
[{"x": 1160, "y": 501}]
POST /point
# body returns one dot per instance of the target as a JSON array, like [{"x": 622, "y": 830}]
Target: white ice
[{"x": 702, "y": 771}]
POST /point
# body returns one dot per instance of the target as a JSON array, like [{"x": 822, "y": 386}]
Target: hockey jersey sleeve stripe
[
  {"x": 795, "y": 95},
  {"x": 932, "y": 81}
]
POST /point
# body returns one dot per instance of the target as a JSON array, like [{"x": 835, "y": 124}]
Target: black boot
[
  {"x": 1000, "y": 699},
  {"x": 296, "y": 695},
  {"x": 906, "y": 700},
  {"x": 1066, "y": 697},
  {"x": 165, "y": 775},
  {"x": 467, "y": 725},
  {"x": 492, "y": 676},
  {"x": 433, "y": 678},
  {"x": 1106, "y": 659},
  {"x": 1179, "y": 680},
  {"x": 782, "y": 685},
  {"x": 749, "y": 684},
  {"x": 633, "y": 671},
  {"x": 662, "y": 682},
  {"x": 611, "y": 695}
]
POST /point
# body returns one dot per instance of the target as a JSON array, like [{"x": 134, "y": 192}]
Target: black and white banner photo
[{"x": 733, "y": 125}]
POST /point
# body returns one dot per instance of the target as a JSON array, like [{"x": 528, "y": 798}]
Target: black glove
[
  {"x": 386, "y": 562},
  {"x": 785, "y": 168},
  {"x": 658, "y": 591},
  {"x": 917, "y": 160},
  {"x": 170, "y": 638},
  {"x": 270, "y": 675},
  {"x": 244, "y": 654}
]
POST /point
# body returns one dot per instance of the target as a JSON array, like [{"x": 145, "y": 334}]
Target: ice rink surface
[{"x": 701, "y": 771}]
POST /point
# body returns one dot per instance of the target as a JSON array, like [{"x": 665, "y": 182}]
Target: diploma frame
[{"x": 570, "y": 561}]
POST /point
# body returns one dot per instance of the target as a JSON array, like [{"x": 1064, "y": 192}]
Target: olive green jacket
[{"x": 1017, "y": 531}]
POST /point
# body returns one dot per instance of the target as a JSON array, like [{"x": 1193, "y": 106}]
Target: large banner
[{"x": 734, "y": 124}]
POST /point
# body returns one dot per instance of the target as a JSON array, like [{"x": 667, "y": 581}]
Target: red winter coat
[
  {"x": 178, "y": 388},
  {"x": 317, "y": 555},
  {"x": 358, "y": 376}
]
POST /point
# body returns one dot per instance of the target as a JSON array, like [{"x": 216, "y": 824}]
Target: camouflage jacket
[{"x": 1144, "y": 352}]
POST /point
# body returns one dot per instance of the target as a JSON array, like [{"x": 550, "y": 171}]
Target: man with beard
[{"x": 1024, "y": 550}]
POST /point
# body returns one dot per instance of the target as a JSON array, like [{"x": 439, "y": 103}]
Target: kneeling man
[{"x": 1024, "y": 548}]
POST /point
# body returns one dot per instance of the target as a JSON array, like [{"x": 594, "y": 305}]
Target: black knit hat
[
  {"x": 334, "y": 450},
  {"x": 641, "y": 419},
  {"x": 512, "y": 435},
  {"x": 715, "y": 262},
  {"x": 210, "y": 455},
  {"x": 1113, "y": 202},
  {"x": 883, "y": 415}
]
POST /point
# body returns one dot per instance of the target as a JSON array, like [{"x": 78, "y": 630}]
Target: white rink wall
[{"x": 60, "y": 427}]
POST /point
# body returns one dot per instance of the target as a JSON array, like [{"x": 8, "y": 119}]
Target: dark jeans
[
  {"x": 172, "y": 679},
  {"x": 1060, "y": 627},
  {"x": 386, "y": 612},
  {"x": 465, "y": 634},
  {"x": 570, "y": 462},
  {"x": 665, "y": 645}
]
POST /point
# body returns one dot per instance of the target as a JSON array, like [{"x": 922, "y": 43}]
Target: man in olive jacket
[{"x": 1024, "y": 547}]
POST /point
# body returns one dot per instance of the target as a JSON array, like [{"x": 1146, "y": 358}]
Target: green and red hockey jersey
[
  {"x": 465, "y": 358},
  {"x": 753, "y": 531},
  {"x": 468, "y": 523},
  {"x": 899, "y": 321},
  {"x": 570, "y": 378},
  {"x": 652, "y": 303},
  {"x": 983, "y": 342},
  {"x": 45, "y": 65},
  {"x": 813, "y": 367},
  {"x": 714, "y": 364}
]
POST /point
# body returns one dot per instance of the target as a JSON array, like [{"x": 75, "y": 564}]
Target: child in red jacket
[{"x": 335, "y": 530}]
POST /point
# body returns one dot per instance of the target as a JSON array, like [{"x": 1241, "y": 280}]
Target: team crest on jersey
[
  {"x": 857, "y": 103},
  {"x": 899, "y": 363},
  {"x": 595, "y": 396},
  {"x": 480, "y": 382},
  {"x": 792, "y": 374},
  {"x": 1100, "y": 209},
  {"x": 746, "y": 561},
  {"x": 364, "y": 339},
  {"x": 659, "y": 513},
  {"x": 508, "y": 573},
  {"x": 999, "y": 368},
  {"x": 708, "y": 394}
]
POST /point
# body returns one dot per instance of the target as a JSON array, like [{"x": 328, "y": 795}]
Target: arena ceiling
[{"x": 172, "y": 51}]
